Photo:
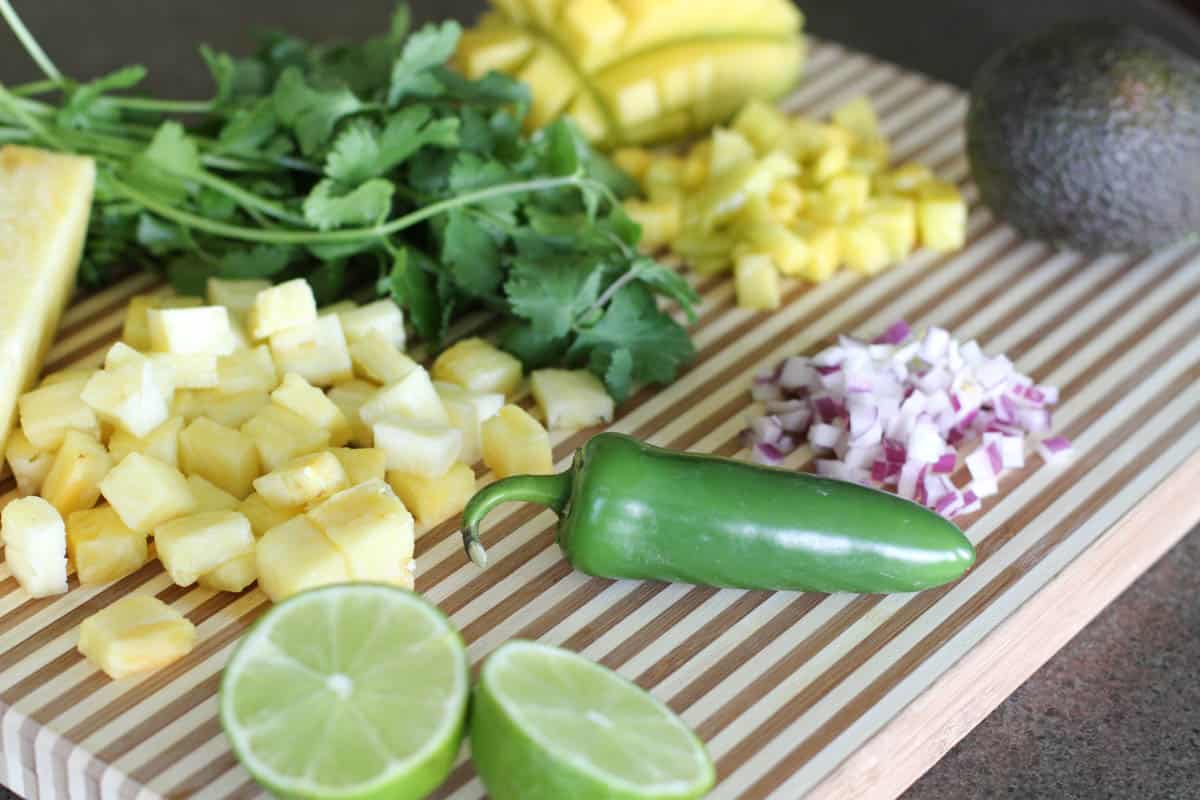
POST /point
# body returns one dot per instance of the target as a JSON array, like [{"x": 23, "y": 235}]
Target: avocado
[{"x": 1088, "y": 136}]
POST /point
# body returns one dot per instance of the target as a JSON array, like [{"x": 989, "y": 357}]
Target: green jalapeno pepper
[{"x": 631, "y": 510}]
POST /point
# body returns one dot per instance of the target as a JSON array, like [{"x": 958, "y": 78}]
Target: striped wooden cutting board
[{"x": 796, "y": 694}]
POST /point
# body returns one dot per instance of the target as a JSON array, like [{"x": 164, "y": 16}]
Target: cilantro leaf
[
  {"x": 369, "y": 203},
  {"x": 361, "y": 152},
  {"x": 250, "y": 128},
  {"x": 551, "y": 294},
  {"x": 656, "y": 344},
  {"x": 411, "y": 288},
  {"x": 532, "y": 348},
  {"x": 471, "y": 254},
  {"x": 86, "y": 102},
  {"x": 429, "y": 47},
  {"x": 669, "y": 283},
  {"x": 618, "y": 373},
  {"x": 311, "y": 112},
  {"x": 328, "y": 282},
  {"x": 163, "y": 166},
  {"x": 188, "y": 274},
  {"x": 261, "y": 261}
]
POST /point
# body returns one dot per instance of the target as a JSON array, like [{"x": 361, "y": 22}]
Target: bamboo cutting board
[{"x": 839, "y": 696}]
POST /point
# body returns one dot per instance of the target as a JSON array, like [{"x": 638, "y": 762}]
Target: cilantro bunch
[{"x": 368, "y": 164}]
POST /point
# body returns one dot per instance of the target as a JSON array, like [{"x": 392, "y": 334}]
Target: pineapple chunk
[
  {"x": 47, "y": 413},
  {"x": 432, "y": 500},
  {"x": 308, "y": 479},
  {"x": 230, "y": 410},
  {"x": 192, "y": 545},
  {"x": 296, "y": 556},
  {"x": 825, "y": 253},
  {"x": 316, "y": 350},
  {"x": 730, "y": 150},
  {"x": 634, "y": 161},
  {"x": 210, "y": 497},
  {"x": 659, "y": 219},
  {"x": 847, "y": 194},
  {"x": 287, "y": 305},
  {"x": 515, "y": 443},
  {"x": 135, "y": 634},
  {"x": 480, "y": 367},
  {"x": 905, "y": 179},
  {"x": 896, "y": 220},
  {"x": 762, "y": 124},
  {"x": 237, "y": 296},
  {"x": 570, "y": 399},
  {"x": 74, "y": 480},
  {"x": 377, "y": 359},
  {"x": 233, "y": 576},
  {"x": 68, "y": 374},
  {"x": 789, "y": 252},
  {"x": 411, "y": 398},
  {"x": 786, "y": 201},
  {"x": 281, "y": 435},
  {"x": 161, "y": 443},
  {"x": 756, "y": 282},
  {"x": 421, "y": 447},
  {"x": 663, "y": 177},
  {"x": 339, "y": 307},
  {"x": 864, "y": 249},
  {"x": 102, "y": 547},
  {"x": 136, "y": 330},
  {"x": 187, "y": 404},
  {"x": 35, "y": 546},
  {"x": 467, "y": 411},
  {"x": 350, "y": 398},
  {"x": 361, "y": 464},
  {"x": 830, "y": 162},
  {"x": 382, "y": 317},
  {"x": 226, "y": 456},
  {"x": 134, "y": 395},
  {"x": 188, "y": 370},
  {"x": 249, "y": 370},
  {"x": 204, "y": 329},
  {"x": 301, "y": 397},
  {"x": 29, "y": 465},
  {"x": 262, "y": 516},
  {"x": 373, "y": 531},
  {"x": 858, "y": 117},
  {"x": 941, "y": 216},
  {"x": 146, "y": 492}
]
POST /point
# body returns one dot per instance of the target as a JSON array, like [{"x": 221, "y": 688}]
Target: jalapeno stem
[{"x": 547, "y": 490}]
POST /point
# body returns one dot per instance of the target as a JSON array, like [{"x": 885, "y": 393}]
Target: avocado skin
[{"x": 1088, "y": 136}]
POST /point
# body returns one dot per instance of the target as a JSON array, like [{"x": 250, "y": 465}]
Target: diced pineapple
[
  {"x": 941, "y": 216},
  {"x": 281, "y": 435},
  {"x": 904, "y": 179},
  {"x": 361, "y": 464},
  {"x": 136, "y": 330},
  {"x": 515, "y": 443},
  {"x": 226, "y": 456},
  {"x": 634, "y": 161},
  {"x": 29, "y": 465},
  {"x": 864, "y": 249},
  {"x": 762, "y": 124},
  {"x": 379, "y": 360},
  {"x": 421, "y": 447},
  {"x": 296, "y": 556},
  {"x": 372, "y": 529},
  {"x": 303, "y": 481},
  {"x": 571, "y": 399},
  {"x": 192, "y": 545},
  {"x": 134, "y": 395},
  {"x": 786, "y": 201},
  {"x": 730, "y": 149},
  {"x": 341, "y": 306},
  {"x": 756, "y": 282},
  {"x": 467, "y": 412},
  {"x": 233, "y": 576},
  {"x": 315, "y": 350},
  {"x": 249, "y": 370},
  {"x": 825, "y": 252},
  {"x": 146, "y": 492},
  {"x": 870, "y": 156},
  {"x": 479, "y": 366},
  {"x": 162, "y": 443},
  {"x": 237, "y": 296},
  {"x": 187, "y": 404},
  {"x": 350, "y": 398},
  {"x": 188, "y": 370},
  {"x": 302, "y": 398},
  {"x": 47, "y": 413},
  {"x": 287, "y": 305},
  {"x": 137, "y": 633},
  {"x": 102, "y": 547},
  {"x": 847, "y": 193},
  {"x": 35, "y": 545},
  {"x": 204, "y": 329},
  {"x": 230, "y": 410},
  {"x": 411, "y": 398},
  {"x": 663, "y": 178},
  {"x": 659, "y": 219},
  {"x": 262, "y": 516},
  {"x": 858, "y": 117},
  {"x": 831, "y": 161},
  {"x": 74, "y": 480},
  {"x": 789, "y": 252},
  {"x": 68, "y": 374},
  {"x": 382, "y": 317},
  {"x": 432, "y": 500},
  {"x": 210, "y": 497},
  {"x": 896, "y": 220}
]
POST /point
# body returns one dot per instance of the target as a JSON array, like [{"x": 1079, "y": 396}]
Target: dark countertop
[{"x": 1116, "y": 713}]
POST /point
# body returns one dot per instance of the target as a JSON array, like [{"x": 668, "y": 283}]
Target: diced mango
[
  {"x": 73, "y": 483},
  {"x": 904, "y": 179},
  {"x": 515, "y": 443},
  {"x": 137, "y": 633},
  {"x": 479, "y": 366},
  {"x": 634, "y": 161},
  {"x": 192, "y": 545},
  {"x": 102, "y": 547},
  {"x": 296, "y": 556},
  {"x": 373, "y": 531},
  {"x": 830, "y": 162},
  {"x": 788, "y": 250},
  {"x": 432, "y": 500},
  {"x": 226, "y": 456},
  {"x": 570, "y": 399},
  {"x": 729, "y": 149},
  {"x": 146, "y": 492}
]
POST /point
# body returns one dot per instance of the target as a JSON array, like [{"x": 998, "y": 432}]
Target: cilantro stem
[
  {"x": 28, "y": 42},
  {"x": 18, "y": 112},
  {"x": 15, "y": 135},
  {"x": 163, "y": 106},
  {"x": 248, "y": 200},
  {"x": 35, "y": 87}
]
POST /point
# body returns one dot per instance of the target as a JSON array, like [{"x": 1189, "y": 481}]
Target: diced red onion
[
  {"x": 946, "y": 462},
  {"x": 896, "y": 333},
  {"x": 1054, "y": 448},
  {"x": 824, "y": 436}
]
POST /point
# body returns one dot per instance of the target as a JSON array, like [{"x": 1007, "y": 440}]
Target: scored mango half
[{"x": 638, "y": 71}]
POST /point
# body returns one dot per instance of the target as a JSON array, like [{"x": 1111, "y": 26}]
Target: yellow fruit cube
[
  {"x": 249, "y": 370},
  {"x": 262, "y": 515},
  {"x": 29, "y": 465},
  {"x": 238, "y": 296},
  {"x": 786, "y": 201},
  {"x": 847, "y": 193},
  {"x": 308, "y": 479},
  {"x": 825, "y": 252},
  {"x": 787, "y": 249},
  {"x": 425, "y": 448},
  {"x": 870, "y": 156},
  {"x": 135, "y": 634},
  {"x": 68, "y": 374},
  {"x": 136, "y": 330},
  {"x": 633, "y": 161},
  {"x": 373, "y": 531},
  {"x": 161, "y": 443},
  {"x": 102, "y": 547},
  {"x": 226, "y": 456},
  {"x": 896, "y": 220},
  {"x": 411, "y": 398},
  {"x": 146, "y": 492},
  {"x": 340, "y": 307},
  {"x": 74, "y": 480},
  {"x": 432, "y": 500},
  {"x": 762, "y": 124},
  {"x": 377, "y": 359},
  {"x": 756, "y": 282},
  {"x": 659, "y": 220},
  {"x": 48, "y": 412},
  {"x": 730, "y": 149},
  {"x": 482, "y": 50},
  {"x": 904, "y": 179},
  {"x": 316, "y": 350},
  {"x": 570, "y": 399},
  {"x": 35, "y": 546},
  {"x": 663, "y": 178},
  {"x": 296, "y": 556},
  {"x": 192, "y": 545},
  {"x": 203, "y": 329},
  {"x": 233, "y": 576},
  {"x": 287, "y": 305},
  {"x": 350, "y": 397},
  {"x": 467, "y": 411},
  {"x": 130, "y": 395},
  {"x": 941, "y": 216},
  {"x": 830, "y": 161},
  {"x": 515, "y": 443},
  {"x": 361, "y": 464},
  {"x": 210, "y": 497},
  {"x": 230, "y": 410},
  {"x": 864, "y": 249},
  {"x": 381, "y": 318},
  {"x": 281, "y": 435},
  {"x": 858, "y": 117},
  {"x": 188, "y": 370},
  {"x": 479, "y": 366},
  {"x": 307, "y": 401}
]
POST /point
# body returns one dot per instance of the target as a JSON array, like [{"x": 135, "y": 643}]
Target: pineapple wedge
[
  {"x": 74, "y": 480},
  {"x": 102, "y": 547},
  {"x": 146, "y": 492},
  {"x": 515, "y": 443},
  {"x": 161, "y": 443},
  {"x": 571, "y": 399},
  {"x": 29, "y": 465},
  {"x": 227, "y": 457},
  {"x": 35, "y": 546},
  {"x": 135, "y": 634},
  {"x": 373, "y": 531},
  {"x": 306, "y": 480},
  {"x": 433, "y": 500},
  {"x": 296, "y": 556},
  {"x": 281, "y": 307},
  {"x": 479, "y": 367},
  {"x": 191, "y": 546},
  {"x": 45, "y": 200},
  {"x": 307, "y": 401}
]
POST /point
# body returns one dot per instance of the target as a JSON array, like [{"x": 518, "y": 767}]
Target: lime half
[
  {"x": 548, "y": 724},
  {"x": 349, "y": 691}
]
